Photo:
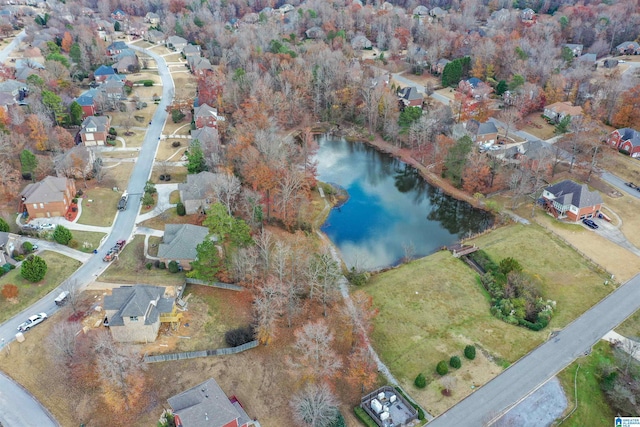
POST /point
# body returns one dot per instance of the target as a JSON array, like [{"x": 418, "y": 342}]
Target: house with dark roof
[
  {"x": 76, "y": 162},
  {"x": 410, "y": 97},
  {"x": 437, "y": 13},
  {"x": 112, "y": 89},
  {"x": 626, "y": 139},
  {"x": 191, "y": 50},
  {"x": 315, "y": 33},
  {"x": 487, "y": 133},
  {"x": 557, "y": 111},
  {"x": 134, "y": 313},
  {"x": 474, "y": 87},
  {"x": 152, "y": 18},
  {"x": 118, "y": 15},
  {"x": 102, "y": 72},
  {"x": 360, "y": 42},
  {"x": 116, "y": 47},
  {"x": 155, "y": 37},
  {"x": 420, "y": 11},
  {"x": 527, "y": 14},
  {"x": 197, "y": 193},
  {"x": 27, "y": 67},
  {"x": 198, "y": 65},
  {"x": 88, "y": 103},
  {"x": 570, "y": 200},
  {"x": 628, "y": 48},
  {"x": 179, "y": 243},
  {"x": 176, "y": 43},
  {"x": 14, "y": 88},
  {"x": 206, "y": 115},
  {"x": 127, "y": 64},
  {"x": 94, "y": 130},
  {"x": 575, "y": 48},
  {"x": 48, "y": 198},
  {"x": 206, "y": 405},
  {"x": 438, "y": 67},
  {"x": 208, "y": 138},
  {"x": 588, "y": 59}
]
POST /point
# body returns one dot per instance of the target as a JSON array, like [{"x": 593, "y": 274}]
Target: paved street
[
  {"x": 533, "y": 370},
  {"x": 8, "y": 49},
  {"x": 18, "y": 408},
  {"x": 619, "y": 183}
]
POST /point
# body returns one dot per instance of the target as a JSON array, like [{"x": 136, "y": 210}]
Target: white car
[
  {"x": 32, "y": 321},
  {"x": 47, "y": 226}
]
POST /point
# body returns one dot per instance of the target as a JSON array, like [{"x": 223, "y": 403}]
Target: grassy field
[
  {"x": 87, "y": 240},
  {"x": 170, "y": 216},
  {"x": 167, "y": 152},
  {"x": 59, "y": 267},
  {"x": 431, "y": 308},
  {"x": 178, "y": 174},
  {"x": 99, "y": 206},
  {"x": 592, "y": 410},
  {"x": 130, "y": 268},
  {"x": 537, "y": 126},
  {"x": 174, "y": 197}
]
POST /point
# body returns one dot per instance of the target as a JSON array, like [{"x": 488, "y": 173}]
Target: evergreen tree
[
  {"x": 62, "y": 235},
  {"x": 33, "y": 268}
]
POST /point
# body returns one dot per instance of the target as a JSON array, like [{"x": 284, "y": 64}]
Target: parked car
[
  {"x": 31, "y": 226},
  {"x": 32, "y": 321},
  {"x": 589, "y": 223},
  {"x": 631, "y": 185},
  {"x": 47, "y": 226}
]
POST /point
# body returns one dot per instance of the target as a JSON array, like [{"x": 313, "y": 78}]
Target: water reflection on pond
[{"x": 391, "y": 210}]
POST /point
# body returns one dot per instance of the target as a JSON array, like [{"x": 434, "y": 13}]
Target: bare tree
[
  {"x": 267, "y": 310},
  {"x": 226, "y": 187},
  {"x": 314, "y": 353},
  {"x": 62, "y": 342},
  {"x": 323, "y": 275},
  {"x": 315, "y": 406},
  {"x": 448, "y": 383},
  {"x": 73, "y": 288}
]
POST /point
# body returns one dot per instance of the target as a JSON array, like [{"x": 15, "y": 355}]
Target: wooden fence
[
  {"x": 220, "y": 285},
  {"x": 201, "y": 353}
]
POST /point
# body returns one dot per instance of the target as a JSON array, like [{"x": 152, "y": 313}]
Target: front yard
[
  {"x": 537, "y": 126},
  {"x": 87, "y": 240},
  {"x": 99, "y": 206}
]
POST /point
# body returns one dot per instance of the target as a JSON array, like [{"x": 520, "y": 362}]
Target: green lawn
[
  {"x": 130, "y": 268},
  {"x": 87, "y": 240},
  {"x": 99, "y": 207},
  {"x": 630, "y": 328},
  {"x": 59, "y": 268},
  {"x": 174, "y": 197},
  {"x": 592, "y": 410}
]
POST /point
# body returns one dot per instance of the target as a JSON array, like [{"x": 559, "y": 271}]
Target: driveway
[{"x": 613, "y": 234}]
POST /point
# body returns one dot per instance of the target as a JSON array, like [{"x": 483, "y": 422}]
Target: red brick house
[
  {"x": 626, "y": 139},
  {"x": 207, "y": 405},
  {"x": 573, "y": 201},
  {"x": 50, "y": 197},
  {"x": 206, "y": 115},
  {"x": 410, "y": 97},
  {"x": 94, "y": 130}
]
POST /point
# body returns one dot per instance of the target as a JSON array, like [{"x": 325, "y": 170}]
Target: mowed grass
[
  {"x": 130, "y": 268},
  {"x": 99, "y": 206},
  {"x": 59, "y": 268},
  {"x": 630, "y": 328},
  {"x": 593, "y": 409},
  {"x": 87, "y": 240},
  {"x": 431, "y": 308}
]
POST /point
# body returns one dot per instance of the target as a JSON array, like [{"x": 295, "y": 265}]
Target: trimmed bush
[
  {"x": 455, "y": 362},
  {"x": 175, "y": 144},
  {"x": 162, "y": 265},
  {"x": 156, "y": 263},
  {"x": 148, "y": 266},
  {"x": 27, "y": 247},
  {"x": 420, "y": 381},
  {"x": 148, "y": 83},
  {"x": 173, "y": 267},
  {"x": 180, "y": 209},
  {"x": 470, "y": 352},
  {"x": 442, "y": 368},
  {"x": 239, "y": 336}
]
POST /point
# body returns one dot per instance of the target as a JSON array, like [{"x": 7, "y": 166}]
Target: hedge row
[{"x": 364, "y": 417}]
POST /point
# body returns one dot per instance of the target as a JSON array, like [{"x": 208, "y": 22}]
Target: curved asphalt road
[
  {"x": 8, "y": 49},
  {"x": 17, "y": 407}
]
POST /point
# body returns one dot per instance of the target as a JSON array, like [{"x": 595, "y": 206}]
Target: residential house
[
  {"x": 570, "y": 200},
  {"x": 360, "y": 42},
  {"x": 112, "y": 90},
  {"x": 88, "y": 103},
  {"x": 191, "y": 50},
  {"x": 196, "y": 194},
  {"x": 285, "y": 8},
  {"x": 102, "y": 72},
  {"x": 75, "y": 163},
  {"x": 9, "y": 242},
  {"x": 576, "y": 49},
  {"x": 527, "y": 14},
  {"x": 410, "y": 97},
  {"x": 438, "y": 67},
  {"x": 588, "y": 59},
  {"x": 437, "y": 13},
  {"x": 136, "y": 29},
  {"x": 474, "y": 87},
  {"x": 116, "y": 47},
  {"x": 499, "y": 16},
  {"x": 176, "y": 43},
  {"x": 134, "y": 313},
  {"x": 250, "y": 18},
  {"x": 27, "y": 67},
  {"x": 118, "y": 15},
  {"x": 421, "y": 11},
  {"x": 155, "y": 37},
  {"x": 205, "y": 115},
  {"x": 557, "y": 111},
  {"x": 199, "y": 65},
  {"x": 628, "y": 48},
  {"x": 209, "y": 140},
  {"x": 610, "y": 63},
  {"x": 179, "y": 243},
  {"x": 94, "y": 130},
  {"x": 127, "y": 64},
  {"x": 315, "y": 33},
  {"x": 529, "y": 153},
  {"x": 7, "y": 101},
  {"x": 152, "y": 18},
  {"x": 14, "y": 88},
  {"x": 486, "y": 133},
  {"x": 50, "y": 197},
  {"x": 207, "y": 405},
  {"x": 626, "y": 139},
  {"x": 381, "y": 81}
]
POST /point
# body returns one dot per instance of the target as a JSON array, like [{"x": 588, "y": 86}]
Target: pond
[{"x": 392, "y": 213}]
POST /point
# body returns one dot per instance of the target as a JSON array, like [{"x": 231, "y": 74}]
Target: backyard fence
[
  {"x": 201, "y": 353},
  {"x": 220, "y": 285}
]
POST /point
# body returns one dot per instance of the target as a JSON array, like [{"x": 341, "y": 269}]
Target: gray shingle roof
[
  {"x": 50, "y": 189},
  {"x": 97, "y": 122},
  {"x": 131, "y": 301},
  {"x": 204, "y": 405},
  {"x": 205, "y": 135},
  {"x": 197, "y": 186},
  {"x": 631, "y": 135},
  {"x": 568, "y": 192},
  {"x": 180, "y": 241},
  {"x": 410, "y": 93},
  {"x": 486, "y": 128}
]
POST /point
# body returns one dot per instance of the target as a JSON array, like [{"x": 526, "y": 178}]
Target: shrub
[
  {"x": 173, "y": 267},
  {"x": 455, "y": 362},
  {"x": 239, "y": 336},
  {"x": 18, "y": 257},
  {"x": 420, "y": 381},
  {"x": 148, "y": 83},
  {"x": 113, "y": 132},
  {"x": 62, "y": 235},
  {"x": 161, "y": 177},
  {"x": 442, "y": 368},
  {"x": 470, "y": 352},
  {"x": 175, "y": 144},
  {"x": 4, "y": 226},
  {"x": 10, "y": 291},
  {"x": 33, "y": 268},
  {"x": 148, "y": 266},
  {"x": 162, "y": 265},
  {"x": 180, "y": 209},
  {"x": 167, "y": 177},
  {"x": 338, "y": 422},
  {"x": 27, "y": 247},
  {"x": 156, "y": 263},
  {"x": 74, "y": 201},
  {"x": 364, "y": 417},
  {"x": 177, "y": 116}
]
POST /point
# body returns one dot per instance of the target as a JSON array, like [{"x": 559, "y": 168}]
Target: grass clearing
[
  {"x": 174, "y": 57},
  {"x": 154, "y": 242},
  {"x": 59, "y": 268},
  {"x": 170, "y": 216},
  {"x": 167, "y": 152},
  {"x": 593, "y": 409},
  {"x": 178, "y": 174},
  {"x": 174, "y": 197},
  {"x": 130, "y": 268},
  {"x": 536, "y": 125},
  {"x": 87, "y": 240},
  {"x": 99, "y": 206},
  {"x": 185, "y": 84},
  {"x": 431, "y": 308}
]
